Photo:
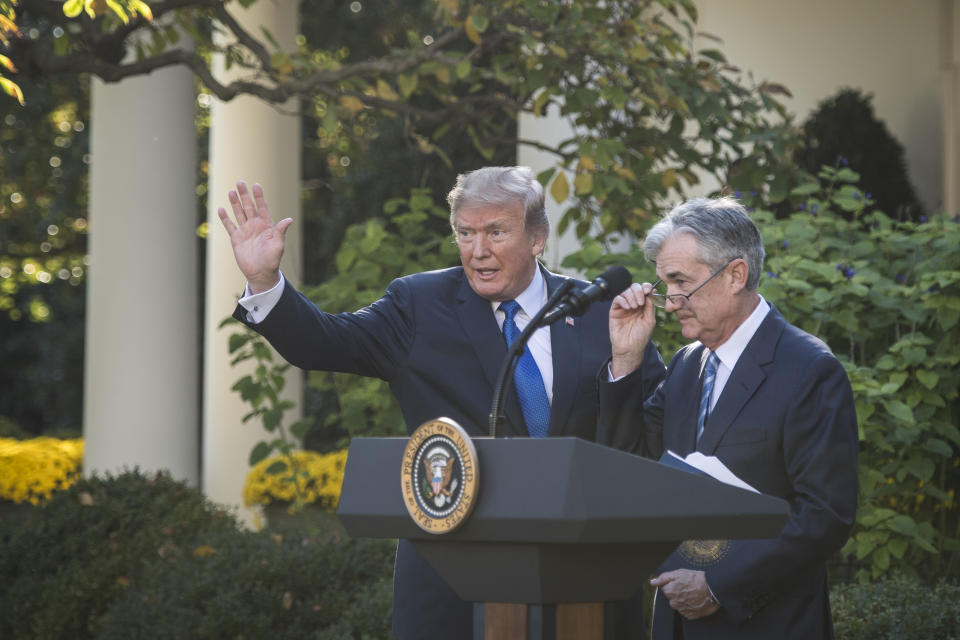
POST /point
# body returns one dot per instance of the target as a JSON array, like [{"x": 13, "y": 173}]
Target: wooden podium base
[{"x": 567, "y": 621}]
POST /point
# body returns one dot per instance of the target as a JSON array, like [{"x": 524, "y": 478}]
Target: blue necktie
[
  {"x": 527, "y": 378},
  {"x": 709, "y": 375}
]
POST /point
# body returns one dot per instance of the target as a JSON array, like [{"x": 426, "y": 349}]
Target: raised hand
[
  {"x": 257, "y": 242},
  {"x": 632, "y": 318}
]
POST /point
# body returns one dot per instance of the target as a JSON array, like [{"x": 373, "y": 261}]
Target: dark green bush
[
  {"x": 295, "y": 584},
  {"x": 143, "y": 556},
  {"x": 896, "y": 609},
  {"x": 88, "y": 544}
]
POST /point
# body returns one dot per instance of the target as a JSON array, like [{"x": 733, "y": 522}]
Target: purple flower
[
  {"x": 844, "y": 161},
  {"x": 738, "y": 194},
  {"x": 849, "y": 272},
  {"x": 813, "y": 209},
  {"x": 802, "y": 207},
  {"x": 786, "y": 243},
  {"x": 753, "y": 194},
  {"x": 922, "y": 219},
  {"x": 869, "y": 196},
  {"x": 856, "y": 195},
  {"x": 751, "y": 209},
  {"x": 771, "y": 274},
  {"x": 839, "y": 267},
  {"x": 901, "y": 278}
]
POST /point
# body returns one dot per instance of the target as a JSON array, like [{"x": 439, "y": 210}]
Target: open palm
[{"x": 257, "y": 242}]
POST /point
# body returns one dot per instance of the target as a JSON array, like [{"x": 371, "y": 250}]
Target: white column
[
  {"x": 253, "y": 142},
  {"x": 950, "y": 96},
  {"x": 141, "y": 382}
]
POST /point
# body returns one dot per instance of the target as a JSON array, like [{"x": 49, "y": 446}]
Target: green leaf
[
  {"x": 272, "y": 418},
  {"x": 238, "y": 340},
  {"x": 805, "y": 189},
  {"x": 407, "y": 83},
  {"x": 922, "y": 468},
  {"x": 300, "y": 428},
  {"x": 260, "y": 452},
  {"x": 881, "y": 558},
  {"x": 904, "y": 525},
  {"x": 480, "y": 23},
  {"x": 899, "y": 410},
  {"x": 938, "y": 446},
  {"x": 277, "y": 467},
  {"x": 897, "y": 547},
  {"x": 928, "y": 378}
]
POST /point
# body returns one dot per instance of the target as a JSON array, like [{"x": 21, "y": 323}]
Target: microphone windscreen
[{"x": 617, "y": 278}]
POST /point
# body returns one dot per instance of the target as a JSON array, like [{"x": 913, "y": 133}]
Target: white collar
[
  {"x": 731, "y": 350},
  {"x": 533, "y": 297}
]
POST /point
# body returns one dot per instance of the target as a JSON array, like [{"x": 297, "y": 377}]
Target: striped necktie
[{"x": 709, "y": 375}]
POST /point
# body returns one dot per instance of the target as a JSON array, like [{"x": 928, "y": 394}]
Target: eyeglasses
[{"x": 680, "y": 299}]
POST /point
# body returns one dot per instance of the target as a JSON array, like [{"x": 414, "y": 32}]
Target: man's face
[
  {"x": 498, "y": 256},
  {"x": 710, "y": 314}
]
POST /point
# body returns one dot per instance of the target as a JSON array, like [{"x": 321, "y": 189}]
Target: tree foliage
[{"x": 653, "y": 110}]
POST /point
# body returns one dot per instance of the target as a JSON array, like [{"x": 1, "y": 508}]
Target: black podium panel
[{"x": 557, "y": 519}]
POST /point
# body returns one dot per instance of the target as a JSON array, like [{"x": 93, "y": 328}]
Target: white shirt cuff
[
  {"x": 259, "y": 305},
  {"x": 610, "y": 376}
]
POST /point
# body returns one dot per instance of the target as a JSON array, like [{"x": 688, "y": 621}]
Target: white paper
[{"x": 712, "y": 466}]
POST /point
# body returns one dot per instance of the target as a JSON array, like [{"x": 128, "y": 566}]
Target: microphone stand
[{"x": 513, "y": 356}]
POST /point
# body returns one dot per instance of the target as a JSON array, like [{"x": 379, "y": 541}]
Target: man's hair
[
  {"x": 722, "y": 229},
  {"x": 501, "y": 187}
]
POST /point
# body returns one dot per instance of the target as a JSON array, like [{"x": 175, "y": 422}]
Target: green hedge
[
  {"x": 143, "y": 556},
  {"x": 896, "y": 609}
]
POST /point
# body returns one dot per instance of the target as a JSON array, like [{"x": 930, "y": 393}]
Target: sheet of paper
[{"x": 712, "y": 466}]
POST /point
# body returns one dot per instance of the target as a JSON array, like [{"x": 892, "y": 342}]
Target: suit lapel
[
  {"x": 480, "y": 327},
  {"x": 565, "y": 346},
  {"x": 683, "y": 441},
  {"x": 745, "y": 379}
]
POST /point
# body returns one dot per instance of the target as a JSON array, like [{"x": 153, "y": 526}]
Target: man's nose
[{"x": 481, "y": 247}]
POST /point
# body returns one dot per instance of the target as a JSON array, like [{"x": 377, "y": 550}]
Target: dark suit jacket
[
  {"x": 437, "y": 343},
  {"x": 785, "y": 423}
]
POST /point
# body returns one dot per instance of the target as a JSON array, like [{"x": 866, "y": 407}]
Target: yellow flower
[
  {"x": 31, "y": 470},
  {"x": 317, "y": 476}
]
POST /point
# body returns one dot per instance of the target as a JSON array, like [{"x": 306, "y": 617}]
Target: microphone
[{"x": 604, "y": 287}]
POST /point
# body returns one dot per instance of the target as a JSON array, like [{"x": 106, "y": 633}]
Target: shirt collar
[
  {"x": 731, "y": 350},
  {"x": 532, "y": 299}
]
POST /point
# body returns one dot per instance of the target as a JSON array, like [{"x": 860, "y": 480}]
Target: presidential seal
[
  {"x": 439, "y": 475},
  {"x": 703, "y": 553}
]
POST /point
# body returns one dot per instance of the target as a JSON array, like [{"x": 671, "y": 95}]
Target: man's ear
[
  {"x": 739, "y": 274},
  {"x": 538, "y": 240}
]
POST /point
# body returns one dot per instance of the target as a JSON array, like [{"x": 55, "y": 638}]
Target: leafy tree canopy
[{"x": 652, "y": 110}]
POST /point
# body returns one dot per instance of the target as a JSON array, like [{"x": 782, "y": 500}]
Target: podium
[{"x": 560, "y": 526}]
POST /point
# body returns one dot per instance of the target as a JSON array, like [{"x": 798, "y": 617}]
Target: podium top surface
[{"x": 559, "y": 490}]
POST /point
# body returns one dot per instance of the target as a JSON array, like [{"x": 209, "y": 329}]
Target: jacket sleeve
[
  {"x": 630, "y": 414},
  {"x": 373, "y": 341}
]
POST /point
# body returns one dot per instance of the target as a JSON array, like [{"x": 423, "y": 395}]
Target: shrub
[
  {"x": 261, "y": 585},
  {"x": 896, "y": 609},
  {"x": 90, "y": 543},
  {"x": 144, "y": 556}
]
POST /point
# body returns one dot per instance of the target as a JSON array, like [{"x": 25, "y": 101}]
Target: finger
[
  {"x": 282, "y": 227},
  {"x": 263, "y": 210},
  {"x": 246, "y": 201},
  {"x": 237, "y": 207},
  {"x": 227, "y": 222},
  {"x": 663, "y": 578}
]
